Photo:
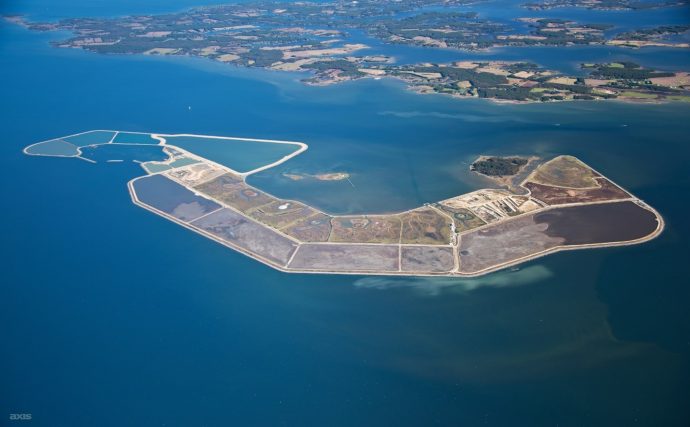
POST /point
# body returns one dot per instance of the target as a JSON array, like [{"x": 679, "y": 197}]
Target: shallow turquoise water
[
  {"x": 134, "y": 138},
  {"x": 129, "y": 153},
  {"x": 114, "y": 316},
  {"x": 55, "y": 147},
  {"x": 238, "y": 155},
  {"x": 90, "y": 137}
]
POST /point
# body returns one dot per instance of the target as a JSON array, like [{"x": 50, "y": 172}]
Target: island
[
  {"x": 506, "y": 171},
  {"x": 606, "y": 4},
  {"x": 660, "y": 36},
  {"x": 329, "y": 41},
  {"x": 326, "y": 176},
  {"x": 559, "y": 204},
  {"x": 498, "y": 166}
]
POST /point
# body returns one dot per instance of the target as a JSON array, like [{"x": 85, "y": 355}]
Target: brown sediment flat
[
  {"x": 238, "y": 230},
  {"x": 503, "y": 243},
  {"x": 231, "y": 190},
  {"x": 316, "y": 228},
  {"x": 525, "y": 236},
  {"x": 558, "y": 195},
  {"x": 247, "y": 199},
  {"x": 281, "y": 213},
  {"x": 221, "y": 184},
  {"x": 366, "y": 229},
  {"x": 343, "y": 258},
  {"x": 565, "y": 171},
  {"x": 425, "y": 226},
  {"x": 600, "y": 223},
  {"x": 425, "y": 259}
]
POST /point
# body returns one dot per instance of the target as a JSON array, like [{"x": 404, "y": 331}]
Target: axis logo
[{"x": 20, "y": 417}]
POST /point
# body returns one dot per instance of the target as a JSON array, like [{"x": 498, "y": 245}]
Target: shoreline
[
  {"x": 312, "y": 74},
  {"x": 456, "y": 236},
  {"x": 452, "y": 273}
]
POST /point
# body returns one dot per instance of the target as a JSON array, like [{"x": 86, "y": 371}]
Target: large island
[{"x": 536, "y": 208}]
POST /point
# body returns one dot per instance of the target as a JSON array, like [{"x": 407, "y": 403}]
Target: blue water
[{"x": 114, "y": 316}]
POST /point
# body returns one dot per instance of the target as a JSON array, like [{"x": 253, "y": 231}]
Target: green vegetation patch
[
  {"x": 366, "y": 229},
  {"x": 425, "y": 226},
  {"x": 346, "y": 67},
  {"x": 463, "y": 218},
  {"x": 498, "y": 166},
  {"x": 625, "y": 71}
]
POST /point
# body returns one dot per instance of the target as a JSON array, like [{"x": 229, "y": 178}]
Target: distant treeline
[
  {"x": 625, "y": 71},
  {"x": 651, "y": 33}
]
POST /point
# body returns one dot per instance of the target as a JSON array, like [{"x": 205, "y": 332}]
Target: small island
[
  {"x": 605, "y": 4},
  {"x": 554, "y": 205},
  {"x": 498, "y": 166},
  {"x": 508, "y": 172},
  {"x": 330, "y": 176}
]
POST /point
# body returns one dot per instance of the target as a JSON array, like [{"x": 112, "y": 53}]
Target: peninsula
[{"x": 559, "y": 204}]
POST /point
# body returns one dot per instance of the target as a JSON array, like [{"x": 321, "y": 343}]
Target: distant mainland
[{"x": 317, "y": 38}]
